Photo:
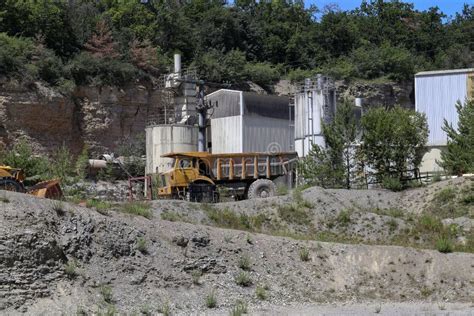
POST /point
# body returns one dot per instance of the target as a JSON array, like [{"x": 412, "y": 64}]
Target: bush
[
  {"x": 106, "y": 293},
  {"x": 304, "y": 254},
  {"x": 137, "y": 208},
  {"x": 70, "y": 269},
  {"x": 298, "y": 74},
  {"x": 444, "y": 245},
  {"x": 243, "y": 279},
  {"x": 15, "y": 53},
  {"x": 392, "y": 184},
  {"x": 344, "y": 218},
  {"x": 196, "y": 276},
  {"x": 21, "y": 156},
  {"x": 141, "y": 245},
  {"x": 62, "y": 166},
  {"x": 261, "y": 292},
  {"x": 294, "y": 213},
  {"x": 446, "y": 195},
  {"x": 262, "y": 73},
  {"x": 100, "y": 205},
  {"x": 245, "y": 262},
  {"x": 86, "y": 69},
  {"x": 239, "y": 309},
  {"x": 211, "y": 300}
]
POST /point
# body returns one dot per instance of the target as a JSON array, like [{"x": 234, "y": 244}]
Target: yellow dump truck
[{"x": 196, "y": 176}]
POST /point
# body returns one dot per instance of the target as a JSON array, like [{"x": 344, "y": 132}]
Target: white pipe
[{"x": 177, "y": 63}]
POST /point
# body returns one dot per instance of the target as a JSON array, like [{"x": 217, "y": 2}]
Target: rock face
[{"x": 97, "y": 116}]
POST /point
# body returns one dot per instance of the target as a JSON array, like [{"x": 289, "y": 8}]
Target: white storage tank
[
  {"x": 163, "y": 139},
  {"x": 315, "y": 102}
]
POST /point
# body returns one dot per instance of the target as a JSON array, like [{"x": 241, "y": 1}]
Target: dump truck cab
[
  {"x": 190, "y": 173},
  {"x": 195, "y": 175}
]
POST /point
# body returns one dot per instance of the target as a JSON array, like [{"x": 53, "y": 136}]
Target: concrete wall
[{"x": 163, "y": 139}]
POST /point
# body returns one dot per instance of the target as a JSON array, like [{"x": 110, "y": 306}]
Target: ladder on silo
[{"x": 291, "y": 109}]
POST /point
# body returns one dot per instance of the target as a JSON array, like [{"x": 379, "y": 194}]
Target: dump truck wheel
[
  {"x": 10, "y": 185},
  {"x": 261, "y": 188}
]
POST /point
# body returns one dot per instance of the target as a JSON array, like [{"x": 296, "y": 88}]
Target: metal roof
[
  {"x": 197, "y": 154},
  {"x": 444, "y": 72}
]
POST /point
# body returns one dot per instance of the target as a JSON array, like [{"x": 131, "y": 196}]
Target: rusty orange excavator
[{"x": 11, "y": 179}]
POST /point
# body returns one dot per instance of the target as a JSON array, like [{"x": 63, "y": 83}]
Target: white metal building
[
  {"x": 249, "y": 122},
  {"x": 436, "y": 93},
  {"x": 315, "y": 102}
]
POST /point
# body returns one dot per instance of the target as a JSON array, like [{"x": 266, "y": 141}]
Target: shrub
[
  {"x": 294, "y": 213},
  {"x": 21, "y": 156},
  {"x": 82, "y": 162},
  {"x": 392, "y": 224},
  {"x": 137, "y": 208},
  {"x": 344, "y": 218},
  {"x": 100, "y": 205},
  {"x": 444, "y": 245},
  {"x": 282, "y": 189},
  {"x": 165, "y": 309},
  {"x": 261, "y": 292},
  {"x": 196, "y": 276},
  {"x": 243, "y": 279},
  {"x": 62, "y": 166},
  {"x": 262, "y": 73},
  {"x": 239, "y": 309},
  {"x": 106, "y": 293},
  {"x": 392, "y": 184},
  {"x": 70, "y": 269},
  {"x": 245, "y": 262},
  {"x": 304, "y": 254},
  {"x": 211, "y": 300},
  {"x": 141, "y": 245},
  {"x": 58, "y": 207},
  {"x": 446, "y": 195}
]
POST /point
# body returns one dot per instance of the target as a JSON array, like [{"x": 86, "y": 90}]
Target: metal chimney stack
[{"x": 177, "y": 63}]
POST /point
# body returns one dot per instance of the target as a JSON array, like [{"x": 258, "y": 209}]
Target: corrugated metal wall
[
  {"x": 436, "y": 96},
  {"x": 264, "y": 134},
  {"x": 226, "y": 135},
  {"x": 228, "y": 102}
]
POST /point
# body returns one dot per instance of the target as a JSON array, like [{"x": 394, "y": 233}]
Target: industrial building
[
  {"x": 249, "y": 122},
  {"x": 314, "y": 103},
  {"x": 436, "y": 93}
]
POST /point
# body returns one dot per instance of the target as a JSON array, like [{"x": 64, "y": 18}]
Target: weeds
[
  {"x": 282, "y": 189},
  {"x": 3, "y": 198},
  {"x": 392, "y": 225},
  {"x": 146, "y": 310},
  {"x": 446, "y": 195},
  {"x": 444, "y": 245},
  {"x": 101, "y": 206},
  {"x": 344, "y": 218},
  {"x": 58, "y": 207},
  {"x": 245, "y": 262},
  {"x": 243, "y": 279},
  {"x": 261, "y": 292},
  {"x": 239, "y": 309},
  {"x": 141, "y": 245},
  {"x": 196, "y": 276},
  {"x": 304, "y": 254},
  {"x": 70, "y": 269},
  {"x": 294, "y": 213},
  {"x": 165, "y": 309},
  {"x": 106, "y": 293},
  {"x": 137, "y": 208},
  {"x": 171, "y": 216},
  {"x": 211, "y": 300}
]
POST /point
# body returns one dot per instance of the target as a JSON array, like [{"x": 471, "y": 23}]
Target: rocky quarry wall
[{"x": 101, "y": 117}]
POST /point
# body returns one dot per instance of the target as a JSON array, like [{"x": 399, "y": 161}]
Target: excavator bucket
[{"x": 47, "y": 189}]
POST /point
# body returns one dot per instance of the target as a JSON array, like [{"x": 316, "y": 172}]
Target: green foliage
[
  {"x": 82, "y": 162},
  {"x": 86, "y": 69},
  {"x": 62, "y": 165},
  {"x": 261, "y": 292},
  {"x": 243, "y": 279},
  {"x": 196, "y": 276},
  {"x": 239, "y": 309},
  {"x": 228, "y": 219},
  {"x": 106, "y": 293},
  {"x": 393, "y": 140},
  {"x": 137, "y": 208},
  {"x": 344, "y": 218},
  {"x": 245, "y": 262},
  {"x": 444, "y": 245},
  {"x": 235, "y": 41},
  {"x": 392, "y": 184},
  {"x": 21, "y": 156},
  {"x": 211, "y": 299},
  {"x": 445, "y": 195},
  {"x": 100, "y": 205},
  {"x": 458, "y": 157},
  {"x": 333, "y": 166},
  {"x": 294, "y": 213},
  {"x": 304, "y": 254},
  {"x": 142, "y": 245},
  {"x": 133, "y": 150},
  {"x": 70, "y": 269}
]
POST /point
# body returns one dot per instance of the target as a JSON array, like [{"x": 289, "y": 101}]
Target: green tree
[
  {"x": 458, "y": 157},
  {"x": 393, "y": 140},
  {"x": 333, "y": 166}
]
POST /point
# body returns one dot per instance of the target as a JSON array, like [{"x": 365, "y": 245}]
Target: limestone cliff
[{"x": 97, "y": 116}]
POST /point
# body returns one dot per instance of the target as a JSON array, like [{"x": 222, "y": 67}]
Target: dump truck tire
[
  {"x": 10, "y": 185},
  {"x": 261, "y": 188}
]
